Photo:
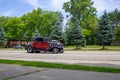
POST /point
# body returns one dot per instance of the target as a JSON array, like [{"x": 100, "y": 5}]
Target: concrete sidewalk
[{"x": 16, "y": 72}]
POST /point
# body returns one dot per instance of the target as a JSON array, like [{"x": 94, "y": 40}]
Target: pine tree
[
  {"x": 105, "y": 31},
  {"x": 3, "y": 39},
  {"x": 57, "y": 32},
  {"x": 36, "y": 34},
  {"x": 76, "y": 35}
]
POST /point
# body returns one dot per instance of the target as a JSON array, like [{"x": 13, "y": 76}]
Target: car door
[
  {"x": 46, "y": 45},
  {"x": 39, "y": 43}
]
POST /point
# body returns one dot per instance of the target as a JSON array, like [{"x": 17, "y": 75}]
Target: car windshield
[
  {"x": 54, "y": 41},
  {"x": 39, "y": 39}
]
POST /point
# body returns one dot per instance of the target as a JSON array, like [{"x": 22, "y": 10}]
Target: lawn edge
[{"x": 61, "y": 66}]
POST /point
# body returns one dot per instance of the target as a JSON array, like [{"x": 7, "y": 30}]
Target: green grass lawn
[
  {"x": 94, "y": 48},
  {"x": 10, "y": 49},
  {"x": 61, "y": 66}
]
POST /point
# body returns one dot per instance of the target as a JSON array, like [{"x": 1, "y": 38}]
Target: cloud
[
  {"x": 100, "y": 5},
  {"x": 57, "y": 4},
  {"x": 108, "y": 5},
  {"x": 34, "y": 3},
  {"x": 54, "y": 5},
  {"x": 7, "y": 13}
]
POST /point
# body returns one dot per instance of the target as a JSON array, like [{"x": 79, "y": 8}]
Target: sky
[{"x": 20, "y": 7}]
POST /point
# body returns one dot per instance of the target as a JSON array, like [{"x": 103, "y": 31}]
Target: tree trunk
[
  {"x": 103, "y": 47},
  {"x": 77, "y": 47}
]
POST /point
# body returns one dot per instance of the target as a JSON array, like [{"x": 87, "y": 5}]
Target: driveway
[
  {"x": 16, "y": 72},
  {"x": 97, "y": 58}
]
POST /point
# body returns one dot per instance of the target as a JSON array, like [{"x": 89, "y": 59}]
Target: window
[{"x": 39, "y": 39}]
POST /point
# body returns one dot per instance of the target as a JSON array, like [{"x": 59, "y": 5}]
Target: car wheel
[
  {"x": 30, "y": 49},
  {"x": 55, "y": 50}
]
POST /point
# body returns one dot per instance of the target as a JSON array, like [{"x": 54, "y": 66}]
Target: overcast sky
[{"x": 20, "y": 7}]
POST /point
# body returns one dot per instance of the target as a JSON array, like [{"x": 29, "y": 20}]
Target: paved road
[
  {"x": 97, "y": 58},
  {"x": 16, "y": 72}
]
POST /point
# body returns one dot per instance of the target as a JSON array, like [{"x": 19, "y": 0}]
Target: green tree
[
  {"x": 115, "y": 17},
  {"x": 41, "y": 20},
  {"x": 75, "y": 35},
  {"x": 105, "y": 31},
  {"x": 91, "y": 23},
  {"x": 84, "y": 12},
  {"x": 15, "y": 29},
  {"x": 3, "y": 39},
  {"x": 57, "y": 33},
  {"x": 81, "y": 10},
  {"x": 36, "y": 34},
  {"x": 117, "y": 36},
  {"x": 49, "y": 21},
  {"x": 68, "y": 29},
  {"x": 32, "y": 21},
  {"x": 89, "y": 36},
  {"x": 3, "y": 20}
]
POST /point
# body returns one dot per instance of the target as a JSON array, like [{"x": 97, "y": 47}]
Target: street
[
  {"x": 92, "y": 58},
  {"x": 97, "y": 58}
]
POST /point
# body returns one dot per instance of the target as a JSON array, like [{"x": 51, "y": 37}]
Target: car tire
[
  {"x": 55, "y": 50},
  {"x": 30, "y": 49}
]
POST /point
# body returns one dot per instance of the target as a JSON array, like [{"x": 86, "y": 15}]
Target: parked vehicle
[
  {"x": 18, "y": 47},
  {"x": 40, "y": 44}
]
